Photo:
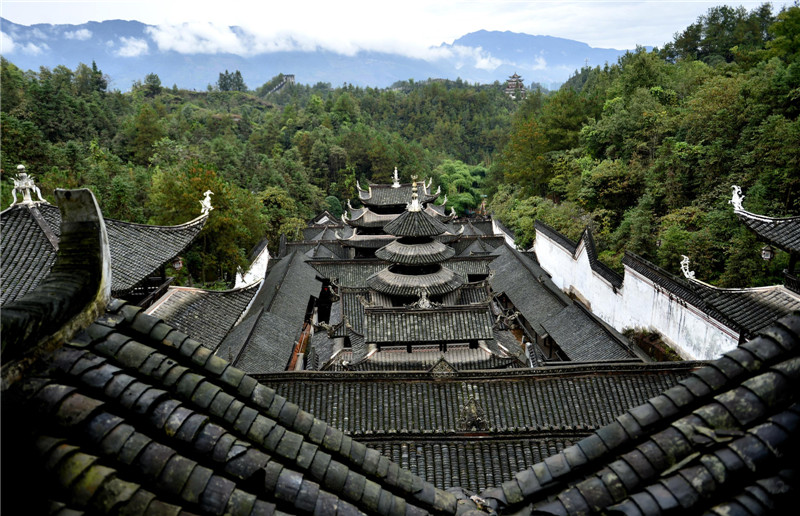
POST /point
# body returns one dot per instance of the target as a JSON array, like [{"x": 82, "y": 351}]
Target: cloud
[
  {"x": 6, "y": 44},
  {"x": 539, "y": 63},
  {"x": 132, "y": 47},
  {"x": 196, "y": 38},
  {"x": 80, "y": 35},
  {"x": 463, "y": 56},
  {"x": 211, "y": 38}
]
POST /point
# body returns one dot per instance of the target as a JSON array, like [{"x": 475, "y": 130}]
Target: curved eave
[
  {"x": 139, "y": 250},
  {"x": 365, "y": 218},
  {"x": 780, "y": 232},
  {"x": 438, "y": 283},
  {"x": 366, "y": 241},
  {"x": 415, "y": 254},
  {"x": 415, "y": 224}
]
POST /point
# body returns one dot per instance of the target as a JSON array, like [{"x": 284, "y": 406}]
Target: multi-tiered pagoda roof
[{"x": 416, "y": 256}]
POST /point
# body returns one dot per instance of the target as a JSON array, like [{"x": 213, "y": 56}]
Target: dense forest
[{"x": 643, "y": 151}]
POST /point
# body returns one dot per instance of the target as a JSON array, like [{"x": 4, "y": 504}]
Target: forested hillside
[{"x": 644, "y": 150}]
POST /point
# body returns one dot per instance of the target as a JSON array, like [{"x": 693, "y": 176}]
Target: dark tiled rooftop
[
  {"x": 137, "y": 250},
  {"x": 424, "y": 357},
  {"x": 27, "y": 253},
  {"x": 781, "y": 232},
  {"x": 386, "y": 195},
  {"x": 548, "y": 399},
  {"x": 528, "y": 286},
  {"x": 208, "y": 315},
  {"x": 583, "y": 339},
  {"x": 438, "y": 325}
]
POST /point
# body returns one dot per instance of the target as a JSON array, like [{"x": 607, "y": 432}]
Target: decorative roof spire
[
  {"x": 396, "y": 183},
  {"x": 737, "y": 198},
  {"x": 414, "y": 206},
  {"x": 206, "y": 203},
  {"x": 24, "y": 184}
]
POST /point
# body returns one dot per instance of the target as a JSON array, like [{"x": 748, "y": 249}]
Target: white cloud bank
[
  {"x": 80, "y": 35},
  {"x": 132, "y": 47},
  {"x": 211, "y": 38}
]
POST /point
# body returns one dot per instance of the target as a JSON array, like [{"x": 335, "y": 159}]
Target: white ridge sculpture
[
  {"x": 206, "y": 203},
  {"x": 685, "y": 267},
  {"x": 24, "y": 184},
  {"x": 396, "y": 183},
  {"x": 737, "y": 198}
]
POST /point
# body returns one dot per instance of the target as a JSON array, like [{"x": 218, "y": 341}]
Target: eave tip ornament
[
  {"x": 23, "y": 184},
  {"x": 685, "y": 267},
  {"x": 206, "y": 203},
  {"x": 737, "y": 198}
]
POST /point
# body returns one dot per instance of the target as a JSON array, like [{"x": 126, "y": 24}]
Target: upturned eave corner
[{"x": 75, "y": 292}]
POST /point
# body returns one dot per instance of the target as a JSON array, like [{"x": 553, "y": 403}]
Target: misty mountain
[{"x": 128, "y": 50}]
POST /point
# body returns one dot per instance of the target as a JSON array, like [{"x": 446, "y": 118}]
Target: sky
[{"x": 410, "y": 27}]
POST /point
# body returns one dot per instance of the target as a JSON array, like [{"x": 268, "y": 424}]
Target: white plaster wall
[{"x": 638, "y": 303}]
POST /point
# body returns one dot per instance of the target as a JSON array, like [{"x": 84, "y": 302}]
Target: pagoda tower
[
  {"x": 515, "y": 88},
  {"x": 416, "y": 271}
]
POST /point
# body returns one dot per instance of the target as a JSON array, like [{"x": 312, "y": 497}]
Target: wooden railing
[{"x": 148, "y": 291}]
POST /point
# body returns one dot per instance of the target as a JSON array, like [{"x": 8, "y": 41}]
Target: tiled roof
[
  {"x": 477, "y": 246},
  {"x": 137, "y": 250},
  {"x": 325, "y": 232},
  {"x": 263, "y": 341},
  {"x": 583, "y": 339},
  {"x": 422, "y": 358},
  {"x": 473, "y": 293},
  {"x": 752, "y": 308},
  {"x": 416, "y": 253},
  {"x": 382, "y": 325},
  {"x": 781, "y": 232},
  {"x": 269, "y": 346},
  {"x": 465, "y": 242},
  {"x": 27, "y": 253},
  {"x": 440, "y": 212},
  {"x": 320, "y": 251},
  {"x": 335, "y": 247},
  {"x": 527, "y": 285},
  {"x": 354, "y": 273},
  {"x": 723, "y": 440},
  {"x": 366, "y": 241},
  {"x": 386, "y": 195},
  {"x": 366, "y": 218},
  {"x": 208, "y": 315},
  {"x": 348, "y": 273},
  {"x": 470, "y": 463},
  {"x": 141, "y": 417},
  {"x": 415, "y": 224},
  {"x": 519, "y": 400},
  {"x": 436, "y": 283}
]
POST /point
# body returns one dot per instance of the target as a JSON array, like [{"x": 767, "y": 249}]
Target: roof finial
[
  {"x": 206, "y": 203},
  {"x": 737, "y": 198},
  {"x": 685, "y": 267},
  {"x": 414, "y": 206},
  {"x": 24, "y": 184},
  {"x": 396, "y": 183}
]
